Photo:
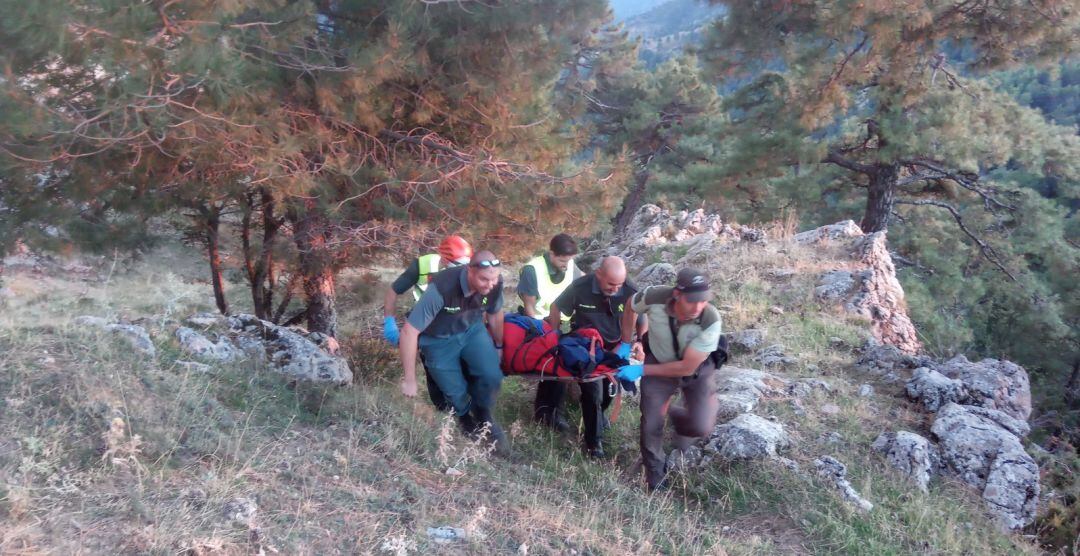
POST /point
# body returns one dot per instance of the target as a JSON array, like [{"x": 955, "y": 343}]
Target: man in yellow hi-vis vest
[
  {"x": 453, "y": 251},
  {"x": 543, "y": 279}
]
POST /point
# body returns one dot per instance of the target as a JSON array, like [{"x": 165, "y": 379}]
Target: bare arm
[
  {"x": 495, "y": 327},
  {"x": 407, "y": 348},
  {"x": 390, "y": 302},
  {"x": 686, "y": 366},
  {"x": 628, "y": 324},
  {"x": 528, "y": 302},
  {"x": 554, "y": 317}
]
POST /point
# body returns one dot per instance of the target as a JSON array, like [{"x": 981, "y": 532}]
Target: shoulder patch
[
  {"x": 709, "y": 316},
  {"x": 657, "y": 295}
]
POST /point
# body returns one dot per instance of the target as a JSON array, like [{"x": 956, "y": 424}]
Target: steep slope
[{"x": 104, "y": 448}]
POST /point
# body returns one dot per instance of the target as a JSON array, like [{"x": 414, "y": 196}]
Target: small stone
[
  {"x": 830, "y": 409},
  {"x": 240, "y": 511},
  {"x": 454, "y": 472},
  {"x": 748, "y": 340},
  {"x": 193, "y": 366},
  {"x": 836, "y": 472},
  {"x": 446, "y": 534},
  {"x": 865, "y": 391},
  {"x": 780, "y": 274},
  {"x": 832, "y": 437},
  {"x": 776, "y": 310},
  {"x": 786, "y": 463}
]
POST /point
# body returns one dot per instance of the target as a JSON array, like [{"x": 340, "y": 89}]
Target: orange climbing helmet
[{"x": 455, "y": 249}]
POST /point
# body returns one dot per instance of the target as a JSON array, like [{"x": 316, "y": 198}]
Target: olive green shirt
[{"x": 657, "y": 304}]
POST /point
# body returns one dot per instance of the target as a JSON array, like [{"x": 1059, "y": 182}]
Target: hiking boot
[
  {"x": 468, "y": 425},
  {"x": 495, "y": 432},
  {"x": 554, "y": 421},
  {"x": 595, "y": 452}
]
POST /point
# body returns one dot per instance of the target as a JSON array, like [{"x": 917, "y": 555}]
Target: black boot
[
  {"x": 552, "y": 419},
  {"x": 483, "y": 418},
  {"x": 596, "y": 451},
  {"x": 468, "y": 425}
]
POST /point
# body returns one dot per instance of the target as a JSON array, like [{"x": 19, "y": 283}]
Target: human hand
[
  {"x": 408, "y": 388},
  {"x": 390, "y": 331}
]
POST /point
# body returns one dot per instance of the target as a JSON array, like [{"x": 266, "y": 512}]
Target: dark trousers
[
  {"x": 437, "y": 398},
  {"x": 465, "y": 369},
  {"x": 694, "y": 419},
  {"x": 595, "y": 399}
]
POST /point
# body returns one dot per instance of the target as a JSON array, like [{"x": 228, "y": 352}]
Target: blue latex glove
[
  {"x": 623, "y": 351},
  {"x": 630, "y": 373},
  {"x": 390, "y": 330}
]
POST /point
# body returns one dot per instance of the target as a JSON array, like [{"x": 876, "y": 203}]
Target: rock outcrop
[
  {"x": 747, "y": 437},
  {"x": 676, "y": 237},
  {"x": 136, "y": 336},
  {"x": 872, "y": 291},
  {"x": 993, "y": 384},
  {"x": 740, "y": 390},
  {"x": 913, "y": 455},
  {"x": 289, "y": 350},
  {"x": 934, "y": 389},
  {"x": 656, "y": 274},
  {"x": 981, "y": 447},
  {"x": 840, "y": 230},
  {"x": 881, "y": 297}
]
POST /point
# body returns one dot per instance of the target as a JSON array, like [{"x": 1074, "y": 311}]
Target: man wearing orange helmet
[{"x": 453, "y": 251}]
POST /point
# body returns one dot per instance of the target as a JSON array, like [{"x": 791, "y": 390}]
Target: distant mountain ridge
[
  {"x": 668, "y": 28},
  {"x": 625, "y": 9}
]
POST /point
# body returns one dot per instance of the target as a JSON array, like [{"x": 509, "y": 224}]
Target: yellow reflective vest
[
  {"x": 429, "y": 266},
  {"x": 548, "y": 289}
]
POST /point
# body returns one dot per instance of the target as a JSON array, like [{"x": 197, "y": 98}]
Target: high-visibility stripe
[{"x": 429, "y": 266}]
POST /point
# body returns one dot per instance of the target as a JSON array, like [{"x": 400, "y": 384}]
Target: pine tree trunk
[
  {"x": 1072, "y": 387},
  {"x": 633, "y": 202},
  {"x": 880, "y": 198},
  {"x": 262, "y": 283},
  {"x": 311, "y": 235},
  {"x": 213, "y": 227}
]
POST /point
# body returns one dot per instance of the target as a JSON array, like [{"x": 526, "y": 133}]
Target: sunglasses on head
[{"x": 486, "y": 264}]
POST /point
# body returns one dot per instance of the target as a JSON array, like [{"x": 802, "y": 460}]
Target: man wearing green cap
[{"x": 683, "y": 334}]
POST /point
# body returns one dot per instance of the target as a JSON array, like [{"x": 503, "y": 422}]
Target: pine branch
[
  {"x": 834, "y": 158},
  {"x": 968, "y": 181},
  {"x": 987, "y": 251}
]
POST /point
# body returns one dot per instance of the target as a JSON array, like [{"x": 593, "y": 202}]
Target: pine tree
[
  {"x": 347, "y": 127},
  {"x": 877, "y": 89},
  {"x": 653, "y": 117}
]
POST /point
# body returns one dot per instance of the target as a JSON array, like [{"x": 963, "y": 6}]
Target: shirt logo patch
[
  {"x": 483, "y": 301},
  {"x": 584, "y": 306},
  {"x": 452, "y": 310},
  {"x": 621, "y": 307}
]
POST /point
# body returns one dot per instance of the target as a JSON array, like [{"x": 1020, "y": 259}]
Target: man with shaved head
[
  {"x": 447, "y": 325},
  {"x": 595, "y": 301}
]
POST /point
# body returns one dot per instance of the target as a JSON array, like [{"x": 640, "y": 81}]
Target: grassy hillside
[{"x": 106, "y": 451}]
